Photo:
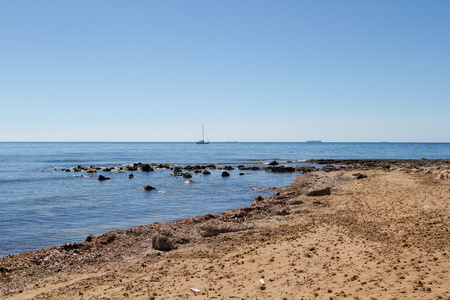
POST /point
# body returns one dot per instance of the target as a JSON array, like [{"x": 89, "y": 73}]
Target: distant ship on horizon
[{"x": 314, "y": 141}]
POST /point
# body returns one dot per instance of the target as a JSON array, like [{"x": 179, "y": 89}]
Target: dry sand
[{"x": 381, "y": 237}]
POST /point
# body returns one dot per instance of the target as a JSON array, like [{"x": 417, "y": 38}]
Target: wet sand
[{"x": 326, "y": 236}]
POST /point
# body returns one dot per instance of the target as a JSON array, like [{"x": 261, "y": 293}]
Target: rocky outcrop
[
  {"x": 162, "y": 243},
  {"x": 319, "y": 192}
]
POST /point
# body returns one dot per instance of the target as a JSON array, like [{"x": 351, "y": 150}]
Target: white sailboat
[{"x": 203, "y": 141}]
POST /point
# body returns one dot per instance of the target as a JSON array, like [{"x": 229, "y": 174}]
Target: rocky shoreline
[{"x": 304, "y": 200}]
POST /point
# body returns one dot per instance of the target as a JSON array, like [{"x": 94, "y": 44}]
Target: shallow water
[{"x": 41, "y": 206}]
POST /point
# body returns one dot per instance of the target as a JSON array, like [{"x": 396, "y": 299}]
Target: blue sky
[{"x": 248, "y": 70}]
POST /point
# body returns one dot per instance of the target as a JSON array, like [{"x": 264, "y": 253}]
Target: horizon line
[{"x": 232, "y": 142}]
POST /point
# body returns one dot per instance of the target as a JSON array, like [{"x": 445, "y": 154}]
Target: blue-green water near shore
[{"x": 40, "y": 206}]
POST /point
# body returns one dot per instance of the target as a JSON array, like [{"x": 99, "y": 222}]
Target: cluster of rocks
[
  {"x": 186, "y": 171},
  {"x": 408, "y": 165},
  {"x": 440, "y": 166}
]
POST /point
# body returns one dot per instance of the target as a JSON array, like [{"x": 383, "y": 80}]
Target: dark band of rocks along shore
[
  {"x": 111, "y": 246},
  {"x": 274, "y": 166}
]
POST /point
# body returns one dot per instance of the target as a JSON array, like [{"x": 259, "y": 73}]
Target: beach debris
[
  {"x": 426, "y": 206},
  {"x": 190, "y": 181},
  {"x": 195, "y": 290},
  {"x": 148, "y": 188},
  {"x": 163, "y": 192},
  {"x": 102, "y": 178},
  {"x": 443, "y": 176},
  {"x": 263, "y": 284}
]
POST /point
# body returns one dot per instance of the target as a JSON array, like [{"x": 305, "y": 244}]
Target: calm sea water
[{"x": 40, "y": 206}]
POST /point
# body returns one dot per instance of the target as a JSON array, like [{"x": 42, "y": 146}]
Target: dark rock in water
[
  {"x": 229, "y": 168},
  {"x": 279, "y": 169},
  {"x": 273, "y": 163},
  {"x": 146, "y": 168},
  {"x": 187, "y": 175},
  {"x": 102, "y": 178},
  {"x": 131, "y": 176},
  {"x": 206, "y": 172},
  {"x": 319, "y": 192},
  {"x": 148, "y": 188},
  {"x": 241, "y": 174},
  {"x": 162, "y": 243},
  {"x": 177, "y": 171},
  {"x": 197, "y": 171},
  {"x": 131, "y": 168},
  {"x": 360, "y": 175},
  {"x": 225, "y": 174}
]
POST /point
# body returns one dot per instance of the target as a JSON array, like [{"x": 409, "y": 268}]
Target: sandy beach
[{"x": 353, "y": 232}]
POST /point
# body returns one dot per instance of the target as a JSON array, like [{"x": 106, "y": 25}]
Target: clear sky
[{"x": 278, "y": 71}]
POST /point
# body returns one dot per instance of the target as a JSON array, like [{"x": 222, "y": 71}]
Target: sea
[{"x": 41, "y": 205}]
